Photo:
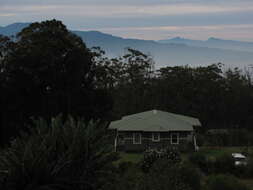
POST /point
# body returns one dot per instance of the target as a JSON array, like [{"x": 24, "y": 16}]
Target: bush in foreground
[
  {"x": 71, "y": 155},
  {"x": 170, "y": 154},
  {"x": 129, "y": 177},
  {"x": 163, "y": 176},
  {"x": 199, "y": 159},
  {"x": 224, "y": 182},
  {"x": 224, "y": 164}
]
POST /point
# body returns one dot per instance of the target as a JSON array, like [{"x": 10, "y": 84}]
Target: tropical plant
[{"x": 58, "y": 155}]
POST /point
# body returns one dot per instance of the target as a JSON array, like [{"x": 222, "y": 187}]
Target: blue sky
[{"x": 144, "y": 19}]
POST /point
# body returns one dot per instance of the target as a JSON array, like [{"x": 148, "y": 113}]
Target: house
[{"x": 153, "y": 129}]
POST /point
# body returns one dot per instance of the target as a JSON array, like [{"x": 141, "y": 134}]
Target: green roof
[{"x": 155, "y": 120}]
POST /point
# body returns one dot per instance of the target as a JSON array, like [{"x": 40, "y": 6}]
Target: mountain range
[
  {"x": 213, "y": 43},
  {"x": 168, "y": 52}
]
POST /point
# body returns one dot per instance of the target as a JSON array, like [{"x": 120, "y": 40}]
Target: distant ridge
[
  {"x": 12, "y": 29},
  {"x": 212, "y": 43},
  {"x": 170, "y": 52}
]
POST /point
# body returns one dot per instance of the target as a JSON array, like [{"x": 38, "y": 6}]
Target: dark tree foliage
[
  {"x": 209, "y": 94},
  {"x": 219, "y": 98},
  {"x": 44, "y": 71},
  {"x": 127, "y": 78}
]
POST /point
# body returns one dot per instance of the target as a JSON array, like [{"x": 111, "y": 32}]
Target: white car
[{"x": 240, "y": 159}]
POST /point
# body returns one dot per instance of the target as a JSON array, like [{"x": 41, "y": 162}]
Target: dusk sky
[{"x": 144, "y": 19}]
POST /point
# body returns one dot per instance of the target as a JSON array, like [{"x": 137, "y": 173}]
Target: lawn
[
  {"x": 209, "y": 151},
  {"x": 130, "y": 157}
]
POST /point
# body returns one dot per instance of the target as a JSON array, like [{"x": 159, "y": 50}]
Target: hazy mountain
[
  {"x": 12, "y": 29},
  {"x": 116, "y": 46},
  {"x": 175, "y": 52},
  {"x": 213, "y": 43},
  {"x": 168, "y": 54}
]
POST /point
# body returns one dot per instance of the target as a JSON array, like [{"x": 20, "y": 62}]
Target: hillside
[
  {"x": 176, "y": 51},
  {"x": 12, "y": 29},
  {"x": 212, "y": 43}
]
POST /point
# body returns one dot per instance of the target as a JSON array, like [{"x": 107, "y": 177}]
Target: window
[
  {"x": 136, "y": 138},
  {"x": 156, "y": 137},
  {"x": 174, "y": 138}
]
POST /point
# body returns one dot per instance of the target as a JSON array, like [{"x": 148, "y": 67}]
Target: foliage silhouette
[{"x": 59, "y": 155}]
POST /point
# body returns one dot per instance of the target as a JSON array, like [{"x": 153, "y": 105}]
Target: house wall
[{"x": 125, "y": 140}]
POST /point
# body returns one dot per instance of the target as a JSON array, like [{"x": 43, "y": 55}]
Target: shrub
[
  {"x": 130, "y": 178},
  {"x": 148, "y": 160},
  {"x": 249, "y": 168},
  {"x": 191, "y": 176},
  {"x": 224, "y": 164},
  {"x": 201, "y": 139},
  {"x": 171, "y": 155},
  {"x": 163, "y": 176},
  {"x": 224, "y": 182},
  {"x": 69, "y": 155},
  {"x": 241, "y": 171},
  {"x": 186, "y": 147},
  {"x": 124, "y": 166},
  {"x": 199, "y": 159}
]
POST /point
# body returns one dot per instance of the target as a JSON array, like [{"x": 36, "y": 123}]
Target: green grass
[
  {"x": 130, "y": 157},
  {"x": 211, "y": 152}
]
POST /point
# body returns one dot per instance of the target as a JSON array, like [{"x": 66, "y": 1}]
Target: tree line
[
  {"x": 219, "y": 98},
  {"x": 46, "y": 70}
]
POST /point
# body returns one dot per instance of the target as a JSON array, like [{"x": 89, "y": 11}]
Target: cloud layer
[{"x": 146, "y": 19}]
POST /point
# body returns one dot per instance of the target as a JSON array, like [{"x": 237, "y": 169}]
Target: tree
[
  {"x": 127, "y": 78},
  {"x": 134, "y": 84},
  {"x": 47, "y": 70},
  {"x": 191, "y": 91},
  {"x": 238, "y": 98}
]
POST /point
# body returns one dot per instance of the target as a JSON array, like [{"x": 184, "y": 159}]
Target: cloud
[
  {"x": 148, "y": 19},
  {"x": 122, "y": 10},
  {"x": 7, "y": 15},
  {"x": 120, "y": 2},
  {"x": 239, "y": 31}
]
